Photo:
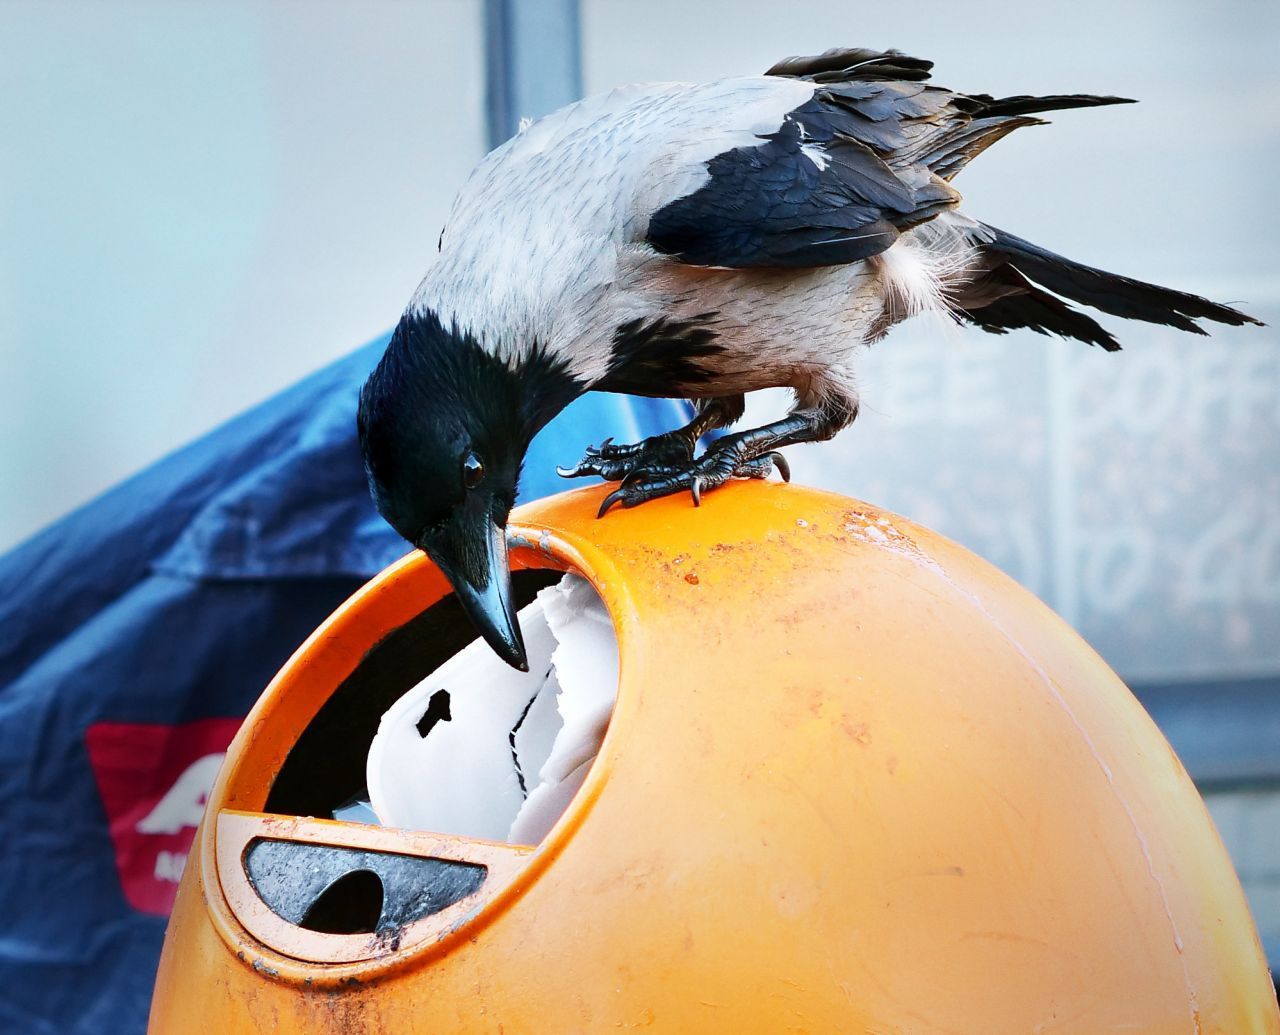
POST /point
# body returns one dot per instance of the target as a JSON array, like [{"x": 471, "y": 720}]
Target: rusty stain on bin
[{"x": 858, "y": 780}]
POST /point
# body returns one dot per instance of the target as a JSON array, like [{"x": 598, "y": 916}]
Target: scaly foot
[
  {"x": 615, "y": 463},
  {"x": 722, "y": 461}
]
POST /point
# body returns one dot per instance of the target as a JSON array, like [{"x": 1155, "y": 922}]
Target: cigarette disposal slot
[{"x": 338, "y": 890}]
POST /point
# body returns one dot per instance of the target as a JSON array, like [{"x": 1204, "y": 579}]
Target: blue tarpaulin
[{"x": 134, "y": 634}]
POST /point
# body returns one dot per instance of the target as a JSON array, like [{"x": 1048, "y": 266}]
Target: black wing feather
[
  {"x": 774, "y": 205},
  {"x": 842, "y": 62},
  {"x": 771, "y": 205},
  {"x": 890, "y": 143}
]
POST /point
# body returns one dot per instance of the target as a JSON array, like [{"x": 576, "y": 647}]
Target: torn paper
[{"x": 481, "y": 750}]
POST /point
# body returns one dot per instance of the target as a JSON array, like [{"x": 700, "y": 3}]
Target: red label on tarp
[{"x": 154, "y": 781}]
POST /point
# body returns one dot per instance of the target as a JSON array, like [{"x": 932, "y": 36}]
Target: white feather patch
[
  {"x": 816, "y": 155},
  {"x": 917, "y": 269}
]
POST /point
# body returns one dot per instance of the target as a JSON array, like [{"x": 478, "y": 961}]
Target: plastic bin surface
[{"x": 856, "y": 780}]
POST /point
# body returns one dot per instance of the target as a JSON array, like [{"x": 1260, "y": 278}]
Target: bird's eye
[{"x": 472, "y": 470}]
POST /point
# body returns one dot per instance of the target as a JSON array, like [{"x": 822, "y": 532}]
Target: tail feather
[
  {"x": 992, "y": 118},
  {"x": 1108, "y": 292},
  {"x": 1026, "y": 104},
  {"x": 1044, "y": 314}
]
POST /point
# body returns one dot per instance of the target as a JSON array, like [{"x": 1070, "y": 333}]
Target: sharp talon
[
  {"x": 608, "y": 502},
  {"x": 569, "y": 472},
  {"x": 784, "y": 468},
  {"x": 605, "y": 444},
  {"x": 695, "y": 490}
]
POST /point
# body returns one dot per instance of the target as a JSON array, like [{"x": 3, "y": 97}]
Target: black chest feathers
[{"x": 665, "y": 357}]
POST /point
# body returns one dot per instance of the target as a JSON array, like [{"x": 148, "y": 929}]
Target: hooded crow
[{"x": 700, "y": 241}]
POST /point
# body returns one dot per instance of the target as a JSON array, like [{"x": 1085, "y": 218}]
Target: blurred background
[{"x": 202, "y": 202}]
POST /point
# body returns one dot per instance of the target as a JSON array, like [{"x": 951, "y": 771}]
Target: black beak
[{"x": 472, "y": 552}]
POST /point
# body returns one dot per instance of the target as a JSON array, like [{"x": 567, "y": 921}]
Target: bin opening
[
  {"x": 325, "y": 769},
  {"x": 433, "y": 732},
  {"x": 482, "y": 750}
]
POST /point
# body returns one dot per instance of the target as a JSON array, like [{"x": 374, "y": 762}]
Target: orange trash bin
[{"x": 856, "y": 779}]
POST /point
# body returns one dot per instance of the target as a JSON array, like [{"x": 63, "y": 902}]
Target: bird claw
[
  {"x": 614, "y": 497},
  {"x": 711, "y": 470},
  {"x": 660, "y": 454}
]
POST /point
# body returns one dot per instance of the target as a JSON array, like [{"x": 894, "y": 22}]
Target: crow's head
[{"x": 444, "y": 425}]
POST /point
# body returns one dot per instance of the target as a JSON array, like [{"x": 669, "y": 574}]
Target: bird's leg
[
  {"x": 658, "y": 453},
  {"x": 745, "y": 454}
]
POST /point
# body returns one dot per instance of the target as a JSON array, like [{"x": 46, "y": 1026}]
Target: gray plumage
[{"x": 575, "y": 227}]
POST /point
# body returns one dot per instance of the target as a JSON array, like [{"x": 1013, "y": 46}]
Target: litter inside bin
[{"x": 481, "y": 750}]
